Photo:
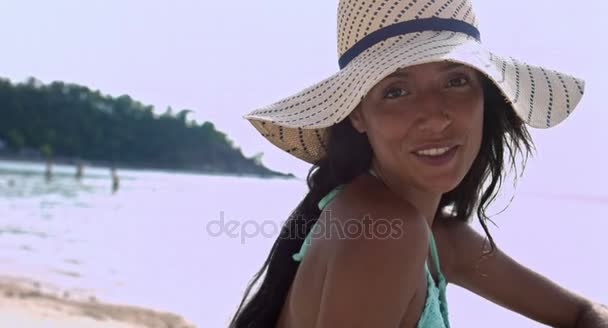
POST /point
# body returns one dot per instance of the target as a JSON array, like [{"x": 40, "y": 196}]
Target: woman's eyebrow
[
  {"x": 451, "y": 66},
  {"x": 402, "y": 74}
]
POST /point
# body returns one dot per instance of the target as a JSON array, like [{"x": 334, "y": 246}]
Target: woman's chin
[{"x": 440, "y": 185}]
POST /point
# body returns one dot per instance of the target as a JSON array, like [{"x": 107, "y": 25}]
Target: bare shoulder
[
  {"x": 372, "y": 268},
  {"x": 372, "y": 216},
  {"x": 388, "y": 223}
]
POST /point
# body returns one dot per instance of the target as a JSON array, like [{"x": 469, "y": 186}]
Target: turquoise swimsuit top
[{"x": 435, "y": 312}]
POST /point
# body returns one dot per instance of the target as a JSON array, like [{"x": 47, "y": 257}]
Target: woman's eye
[
  {"x": 394, "y": 92},
  {"x": 458, "y": 82}
]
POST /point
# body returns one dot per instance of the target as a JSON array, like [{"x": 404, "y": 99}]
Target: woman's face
[{"x": 432, "y": 105}]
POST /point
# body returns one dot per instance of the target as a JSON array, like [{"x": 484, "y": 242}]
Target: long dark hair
[{"x": 348, "y": 155}]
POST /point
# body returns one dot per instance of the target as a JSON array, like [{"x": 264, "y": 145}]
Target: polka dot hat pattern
[{"x": 377, "y": 37}]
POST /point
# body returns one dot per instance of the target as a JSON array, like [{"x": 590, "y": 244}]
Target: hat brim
[{"x": 541, "y": 97}]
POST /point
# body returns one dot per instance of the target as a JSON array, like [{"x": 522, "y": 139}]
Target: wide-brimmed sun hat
[{"x": 378, "y": 37}]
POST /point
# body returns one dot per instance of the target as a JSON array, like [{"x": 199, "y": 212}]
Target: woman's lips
[{"x": 439, "y": 160}]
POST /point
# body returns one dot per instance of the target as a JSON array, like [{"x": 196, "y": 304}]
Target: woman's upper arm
[
  {"x": 504, "y": 281},
  {"x": 371, "y": 280}
]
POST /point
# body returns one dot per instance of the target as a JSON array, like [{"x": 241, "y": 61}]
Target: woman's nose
[{"x": 434, "y": 115}]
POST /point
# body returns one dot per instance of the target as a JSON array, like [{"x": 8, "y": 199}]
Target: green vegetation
[{"x": 70, "y": 121}]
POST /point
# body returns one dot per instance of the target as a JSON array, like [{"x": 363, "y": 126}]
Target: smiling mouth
[
  {"x": 436, "y": 151},
  {"x": 438, "y": 156}
]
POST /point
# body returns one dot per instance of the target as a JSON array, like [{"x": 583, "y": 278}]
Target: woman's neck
[{"x": 426, "y": 203}]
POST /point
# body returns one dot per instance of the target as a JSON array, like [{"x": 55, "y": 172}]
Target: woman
[{"x": 407, "y": 141}]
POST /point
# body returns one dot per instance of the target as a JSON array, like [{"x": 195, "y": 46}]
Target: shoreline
[
  {"x": 122, "y": 166},
  {"x": 30, "y": 303}
]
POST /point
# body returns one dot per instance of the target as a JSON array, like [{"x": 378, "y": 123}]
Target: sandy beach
[{"x": 30, "y": 304}]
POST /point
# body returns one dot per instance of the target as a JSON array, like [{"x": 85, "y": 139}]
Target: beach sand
[{"x": 27, "y": 304}]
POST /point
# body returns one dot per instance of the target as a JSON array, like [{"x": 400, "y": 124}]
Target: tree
[
  {"x": 69, "y": 120},
  {"x": 257, "y": 158},
  {"x": 15, "y": 140},
  {"x": 46, "y": 150},
  {"x": 182, "y": 115}
]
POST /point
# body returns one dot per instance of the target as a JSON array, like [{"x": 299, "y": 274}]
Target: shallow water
[{"x": 157, "y": 243}]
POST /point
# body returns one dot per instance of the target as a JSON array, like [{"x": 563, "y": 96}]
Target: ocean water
[{"x": 189, "y": 243}]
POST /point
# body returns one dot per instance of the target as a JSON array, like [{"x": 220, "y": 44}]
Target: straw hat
[{"x": 377, "y": 37}]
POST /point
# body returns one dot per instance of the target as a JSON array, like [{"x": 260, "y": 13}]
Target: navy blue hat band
[{"x": 412, "y": 26}]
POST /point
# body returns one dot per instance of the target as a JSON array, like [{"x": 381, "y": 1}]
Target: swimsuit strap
[
  {"x": 332, "y": 194},
  {"x": 329, "y": 197},
  {"x": 434, "y": 254}
]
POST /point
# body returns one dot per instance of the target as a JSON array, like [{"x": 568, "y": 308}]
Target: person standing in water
[
  {"x": 79, "y": 170},
  {"x": 48, "y": 171},
  {"x": 115, "y": 180}
]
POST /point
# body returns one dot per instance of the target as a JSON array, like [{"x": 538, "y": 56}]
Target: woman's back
[{"x": 324, "y": 284}]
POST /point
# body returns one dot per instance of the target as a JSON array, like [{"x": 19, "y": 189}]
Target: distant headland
[{"x": 69, "y": 123}]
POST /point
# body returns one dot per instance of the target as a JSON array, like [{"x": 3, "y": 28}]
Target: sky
[{"x": 223, "y": 59}]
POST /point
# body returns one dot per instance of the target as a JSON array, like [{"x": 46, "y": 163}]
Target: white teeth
[{"x": 433, "y": 151}]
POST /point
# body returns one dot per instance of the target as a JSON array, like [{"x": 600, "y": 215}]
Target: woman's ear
[{"x": 357, "y": 120}]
